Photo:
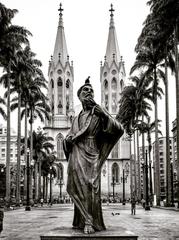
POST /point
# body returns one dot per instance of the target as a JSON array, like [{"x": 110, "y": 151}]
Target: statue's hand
[
  {"x": 98, "y": 110},
  {"x": 69, "y": 139}
]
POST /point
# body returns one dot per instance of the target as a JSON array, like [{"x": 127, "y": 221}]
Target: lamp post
[
  {"x": 113, "y": 185},
  {"x": 50, "y": 186},
  {"x": 28, "y": 208},
  {"x": 147, "y": 207},
  {"x": 60, "y": 185},
  {"x": 123, "y": 181},
  {"x": 172, "y": 192}
]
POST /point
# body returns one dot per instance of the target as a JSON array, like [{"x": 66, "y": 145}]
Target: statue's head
[{"x": 85, "y": 91}]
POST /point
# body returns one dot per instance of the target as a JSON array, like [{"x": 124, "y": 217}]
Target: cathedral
[{"x": 116, "y": 172}]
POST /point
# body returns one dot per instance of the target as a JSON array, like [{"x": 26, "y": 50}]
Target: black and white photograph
[{"x": 89, "y": 119}]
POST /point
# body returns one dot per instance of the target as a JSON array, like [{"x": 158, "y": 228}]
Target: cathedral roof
[
  {"x": 112, "y": 49},
  {"x": 60, "y": 49}
]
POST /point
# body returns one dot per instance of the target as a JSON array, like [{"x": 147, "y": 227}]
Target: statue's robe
[{"x": 93, "y": 139}]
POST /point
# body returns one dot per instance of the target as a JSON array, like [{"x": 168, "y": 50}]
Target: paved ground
[{"x": 56, "y": 220}]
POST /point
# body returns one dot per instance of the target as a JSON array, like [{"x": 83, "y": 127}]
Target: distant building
[
  {"x": 163, "y": 165},
  {"x": 13, "y": 146},
  {"x": 13, "y": 157}
]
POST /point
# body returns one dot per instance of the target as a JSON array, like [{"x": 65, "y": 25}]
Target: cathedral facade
[{"x": 115, "y": 175}]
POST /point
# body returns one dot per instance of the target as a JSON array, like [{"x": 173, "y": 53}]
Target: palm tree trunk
[
  {"x": 35, "y": 181},
  {"x": 39, "y": 183},
  {"x": 18, "y": 174},
  {"x": 138, "y": 170},
  {"x": 177, "y": 103},
  {"x": 25, "y": 152},
  {"x": 135, "y": 166},
  {"x": 8, "y": 190},
  {"x": 168, "y": 177},
  {"x": 31, "y": 154},
  {"x": 157, "y": 159}
]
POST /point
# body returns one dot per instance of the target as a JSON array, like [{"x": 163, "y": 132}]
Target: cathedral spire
[
  {"x": 60, "y": 16},
  {"x": 112, "y": 48},
  {"x": 60, "y": 48}
]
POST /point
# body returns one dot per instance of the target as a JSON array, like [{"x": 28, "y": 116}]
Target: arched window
[
  {"x": 60, "y": 171},
  {"x": 60, "y": 95},
  {"x": 60, "y": 153},
  {"x": 114, "y": 95},
  {"x": 114, "y": 84},
  {"x": 105, "y": 85},
  {"x": 115, "y": 172}
]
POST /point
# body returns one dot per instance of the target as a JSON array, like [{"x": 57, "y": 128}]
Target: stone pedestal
[{"x": 89, "y": 237}]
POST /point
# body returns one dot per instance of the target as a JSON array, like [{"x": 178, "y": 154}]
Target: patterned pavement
[{"x": 56, "y": 220}]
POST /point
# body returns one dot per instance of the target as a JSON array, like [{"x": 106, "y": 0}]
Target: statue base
[{"x": 88, "y": 237}]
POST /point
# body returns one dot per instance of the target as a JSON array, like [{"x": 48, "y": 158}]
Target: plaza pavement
[{"x": 56, "y": 220}]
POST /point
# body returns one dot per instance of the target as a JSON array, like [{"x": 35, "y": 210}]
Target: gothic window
[
  {"x": 105, "y": 74},
  {"x": 60, "y": 83},
  {"x": 114, "y": 84},
  {"x": 67, "y": 83},
  {"x": 67, "y": 102},
  {"x": 60, "y": 153},
  {"x": 113, "y": 71},
  {"x": 60, "y": 171},
  {"x": 114, "y": 152},
  {"x": 126, "y": 169},
  {"x": 114, "y": 96},
  {"x": 59, "y": 71},
  {"x": 60, "y": 95},
  {"x": 115, "y": 172},
  {"x": 68, "y": 73}
]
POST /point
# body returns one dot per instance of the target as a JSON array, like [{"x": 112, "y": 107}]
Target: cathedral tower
[
  {"x": 113, "y": 80},
  {"x": 60, "y": 94}
]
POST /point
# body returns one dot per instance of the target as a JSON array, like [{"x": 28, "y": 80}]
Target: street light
[
  {"x": 124, "y": 180},
  {"x": 113, "y": 185},
  {"x": 28, "y": 208},
  {"x": 60, "y": 183},
  {"x": 50, "y": 200}
]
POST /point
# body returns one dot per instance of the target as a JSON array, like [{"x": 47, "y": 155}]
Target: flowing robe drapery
[{"x": 93, "y": 139}]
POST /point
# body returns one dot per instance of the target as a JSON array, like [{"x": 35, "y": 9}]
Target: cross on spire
[
  {"x": 111, "y": 10},
  {"x": 60, "y": 10}
]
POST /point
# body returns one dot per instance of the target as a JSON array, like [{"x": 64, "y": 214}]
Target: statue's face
[{"x": 86, "y": 92}]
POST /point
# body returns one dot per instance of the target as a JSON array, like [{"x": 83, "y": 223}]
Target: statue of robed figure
[{"x": 93, "y": 134}]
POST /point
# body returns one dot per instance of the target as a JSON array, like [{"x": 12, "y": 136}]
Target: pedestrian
[
  {"x": 41, "y": 202},
  {"x": 133, "y": 206},
  {"x": 143, "y": 202}
]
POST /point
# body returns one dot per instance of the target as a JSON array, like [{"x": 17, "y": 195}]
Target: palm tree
[
  {"x": 49, "y": 168},
  {"x": 24, "y": 69},
  {"x": 163, "y": 26},
  {"x": 132, "y": 105},
  {"x": 42, "y": 146},
  {"x": 11, "y": 38}
]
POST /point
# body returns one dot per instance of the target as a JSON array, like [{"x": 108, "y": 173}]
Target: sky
[{"x": 86, "y": 25}]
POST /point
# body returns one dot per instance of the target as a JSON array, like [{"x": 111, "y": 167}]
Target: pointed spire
[
  {"x": 60, "y": 49},
  {"x": 60, "y": 16},
  {"x": 112, "y": 49},
  {"x": 111, "y": 15}
]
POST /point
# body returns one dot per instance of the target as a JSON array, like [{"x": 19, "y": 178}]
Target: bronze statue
[{"x": 93, "y": 134}]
